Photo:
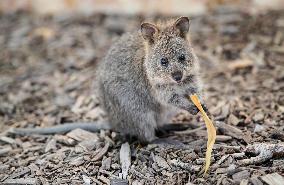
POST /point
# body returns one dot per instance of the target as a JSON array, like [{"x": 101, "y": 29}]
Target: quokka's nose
[{"x": 177, "y": 76}]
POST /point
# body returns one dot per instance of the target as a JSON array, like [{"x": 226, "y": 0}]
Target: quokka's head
[{"x": 169, "y": 56}]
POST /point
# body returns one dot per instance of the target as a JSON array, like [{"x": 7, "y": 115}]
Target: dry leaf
[{"x": 211, "y": 131}]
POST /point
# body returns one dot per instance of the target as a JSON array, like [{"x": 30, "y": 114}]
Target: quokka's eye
[
  {"x": 181, "y": 58},
  {"x": 164, "y": 62}
]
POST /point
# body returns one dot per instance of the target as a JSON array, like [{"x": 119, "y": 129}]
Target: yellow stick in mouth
[{"x": 211, "y": 131}]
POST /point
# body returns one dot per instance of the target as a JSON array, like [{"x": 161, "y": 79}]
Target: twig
[
  {"x": 20, "y": 181},
  {"x": 189, "y": 131},
  {"x": 264, "y": 152},
  {"x": 185, "y": 166},
  {"x": 102, "y": 152}
]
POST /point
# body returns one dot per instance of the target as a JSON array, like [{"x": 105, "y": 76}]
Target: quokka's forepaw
[{"x": 193, "y": 110}]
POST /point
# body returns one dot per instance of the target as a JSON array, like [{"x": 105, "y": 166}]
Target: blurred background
[{"x": 136, "y": 7}]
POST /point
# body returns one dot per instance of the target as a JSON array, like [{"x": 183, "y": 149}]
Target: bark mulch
[{"x": 46, "y": 72}]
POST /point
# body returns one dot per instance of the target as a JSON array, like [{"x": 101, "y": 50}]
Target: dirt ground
[{"x": 46, "y": 72}]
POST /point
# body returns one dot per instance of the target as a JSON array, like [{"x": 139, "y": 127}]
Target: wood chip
[
  {"x": 3, "y": 168},
  {"x": 21, "y": 172},
  {"x": 125, "y": 159},
  {"x": 241, "y": 175},
  {"x": 86, "y": 179},
  {"x": 255, "y": 181},
  {"x": 43, "y": 181},
  {"x": 106, "y": 163},
  {"x": 50, "y": 146},
  {"x": 119, "y": 182},
  {"x": 104, "y": 179},
  {"x": 161, "y": 162},
  {"x": 258, "y": 116},
  {"x": 26, "y": 181},
  {"x": 4, "y": 151},
  {"x": 244, "y": 182},
  {"x": 95, "y": 113},
  {"x": 101, "y": 153},
  {"x": 222, "y": 138},
  {"x": 273, "y": 179},
  {"x": 77, "y": 161},
  {"x": 278, "y": 134},
  {"x": 229, "y": 130},
  {"x": 7, "y": 140},
  {"x": 190, "y": 131},
  {"x": 81, "y": 135},
  {"x": 239, "y": 64},
  {"x": 65, "y": 140},
  {"x": 185, "y": 166},
  {"x": 88, "y": 145},
  {"x": 233, "y": 120}
]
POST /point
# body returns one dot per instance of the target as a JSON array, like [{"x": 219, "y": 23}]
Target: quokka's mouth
[{"x": 177, "y": 76}]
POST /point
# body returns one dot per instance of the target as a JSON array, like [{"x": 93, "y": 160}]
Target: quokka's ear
[
  {"x": 149, "y": 31},
  {"x": 182, "y": 25}
]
